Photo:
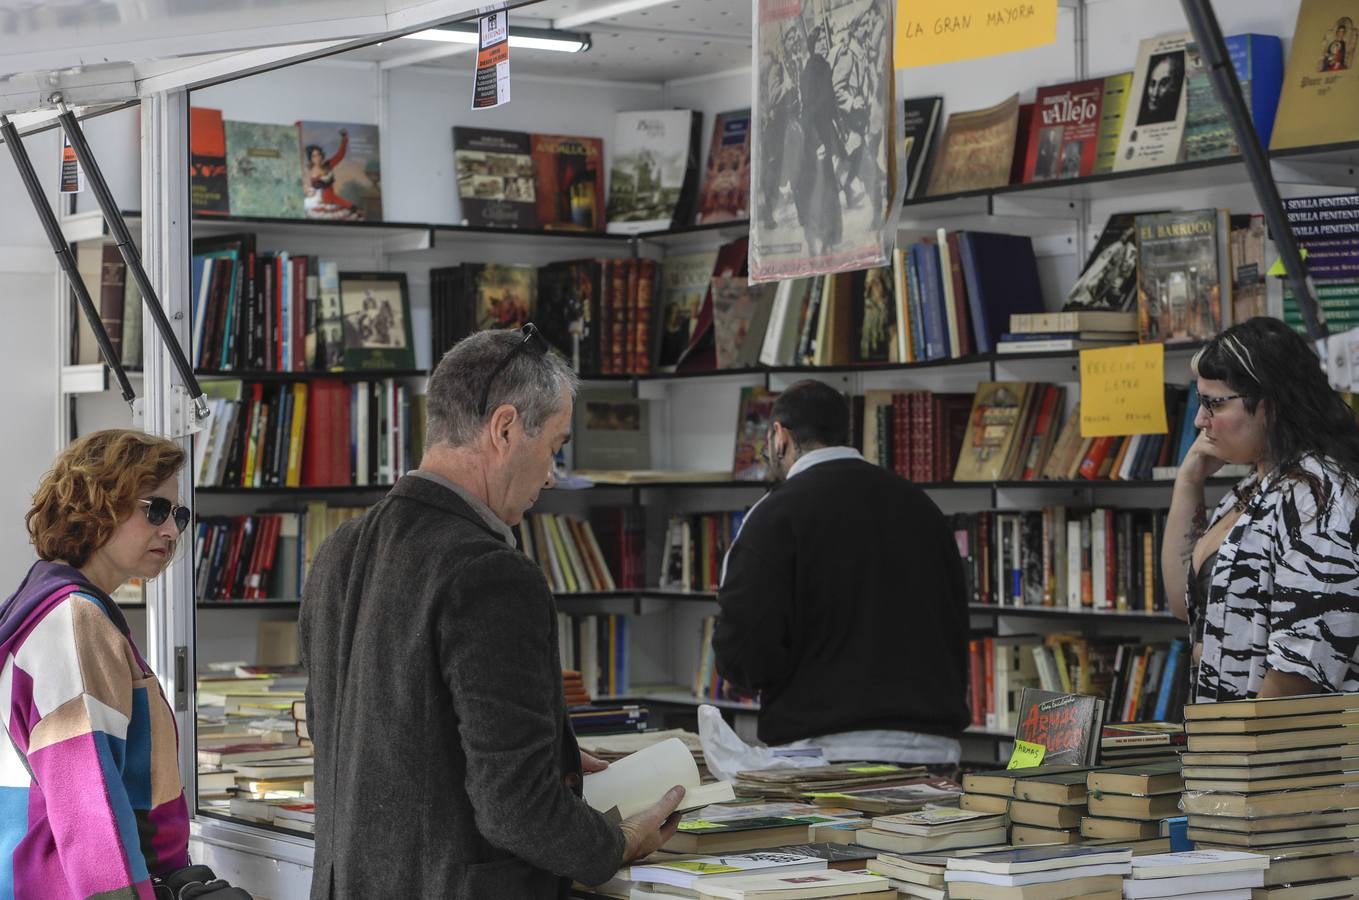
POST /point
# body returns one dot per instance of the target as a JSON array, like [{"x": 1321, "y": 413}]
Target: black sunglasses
[
  {"x": 533, "y": 341},
  {"x": 158, "y": 509}
]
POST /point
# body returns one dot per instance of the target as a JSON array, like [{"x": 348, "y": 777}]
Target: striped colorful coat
[
  {"x": 91, "y": 804},
  {"x": 1285, "y": 589}
]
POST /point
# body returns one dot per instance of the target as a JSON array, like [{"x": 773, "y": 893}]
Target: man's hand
[
  {"x": 589, "y": 765},
  {"x": 645, "y": 832}
]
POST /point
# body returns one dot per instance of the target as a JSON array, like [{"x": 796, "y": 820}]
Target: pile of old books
[
  {"x": 1045, "y": 803},
  {"x": 1128, "y": 804},
  {"x": 1279, "y": 777},
  {"x": 1039, "y": 873},
  {"x": 1133, "y": 743},
  {"x": 932, "y": 829},
  {"x": 794, "y": 784},
  {"x": 1196, "y": 875},
  {"x": 734, "y": 876}
]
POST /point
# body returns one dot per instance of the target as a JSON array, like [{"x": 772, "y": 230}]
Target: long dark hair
[{"x": 1264, "y": 359}]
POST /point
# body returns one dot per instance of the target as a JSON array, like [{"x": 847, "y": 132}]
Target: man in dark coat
[{"x": 445, "y": 765}]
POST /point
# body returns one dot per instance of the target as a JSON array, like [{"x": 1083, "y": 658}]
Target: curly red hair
[{"x": 92, "y": 486}]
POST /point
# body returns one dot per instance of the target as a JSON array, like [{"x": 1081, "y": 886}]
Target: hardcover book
[
  {"x": 874, "y": 316},
  {"x": 495, "y": 178},
  {"x": 612, "y": 430},
  {"x": 655, "y": 169},
  {"x": 1114, "y": 105},
  {"x": 1064, "y": 131},
  {"x": 1067, "y": 725},
  {"x": 1179, "y": 284},
  {"x": 341, "y": 171},
  {"x": 568, "y": 311},
  {"x": 377, "y": 320},
  {"x": 752, "y": 426},
  {"x": 1320, "y": 99},
  {"x": 992, "y": 429},
  {"x": 725, "y": 195},
  {"x": 263, "y": 178},
  {"x": 1258, "y": 61},
  {"x": 685, "y": 282},
  {"x": 506, "y": 297},
  {"x": 977, "y": 149},
  {"x": 1109, "y": 279},
  {"x": 569, "y": 185},
  {"x": 920, "y": 120},
  {"x": 1153, "y": 124},
  {"x": 740, "y": 316},
  {"x": 207, "y": 163}
]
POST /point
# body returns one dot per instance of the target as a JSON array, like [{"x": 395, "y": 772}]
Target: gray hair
[{"x": 530, "y": 382}]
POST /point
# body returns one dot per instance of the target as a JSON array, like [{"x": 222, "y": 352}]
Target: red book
[
  {"x": 251, "y": 579},
  {"x": 1094, "y": 458},
  {"x": 316, "y": 434},
  {"x": 341, "y": 470},
  {"x": 974, "y": 655},
  {"x": 1064, "y": 126},
  {"x": 233, "y": 557},
  {"x": 1046, "y": 417},
  {"x": 299, "y": 342},
  {"x": 269, "y": 555},
  {"x": 960, "y": 308}
]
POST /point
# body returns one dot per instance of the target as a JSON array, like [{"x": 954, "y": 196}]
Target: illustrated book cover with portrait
[
  {"x": 653, "y": 178},
  {"x": 341, "y": 171},
  {"x": 824, "y": 182},
  {"x": 377, "y": 320},
  {"x": 1153, "y": 122},
  {"x": 1181, "y": 258},
  {"x": 1320, "y": 99},
  {"x": 263, "y": 178},
  {"x": 725, "y": 195},
  {"x": 495, "y": 178},
  {"x": 569, "y": 185},
  {"x": 977, "y": 149},
  {"x": 568, "y": 313},
  {"x": 1064, "y": 131}
]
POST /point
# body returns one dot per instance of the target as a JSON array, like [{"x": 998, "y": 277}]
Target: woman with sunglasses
[
  {"x": 91, "y": 802},
  {"x": 1270, "y": 581}
]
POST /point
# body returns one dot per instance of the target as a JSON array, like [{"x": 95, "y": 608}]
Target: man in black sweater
[{"x": 842, "y": 599}]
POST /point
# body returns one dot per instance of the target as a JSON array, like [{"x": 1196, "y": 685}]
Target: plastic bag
[{"x": 726, "y": 754}]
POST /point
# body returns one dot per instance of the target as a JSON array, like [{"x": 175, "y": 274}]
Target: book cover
[
  {"x": 495, "y": 178},
  {"x": 1067, "y": 725},
  {"x": 569, "y": 182},
  {"x": 1153, "y": 124},
  {"x": 376, "y": 308},
  {"x": 654, "y": 166},
  {"x": 1179, "y": 291},
  {"x": 1109, "y": 279},
  {"x": 341, "y": 171},
  {"x": 207, "y": 163},
  {"x": 612, "y": 430},
  {"x": 503, "y": 297},
  {"x": 1319, "y": 103},
  {"x": 752, "y": 427},
  {"x": 1258, "y": 61},
  {"x": 875, "y": 321},
  {"x": 1114, "y": 105},
  {"x": 977, "y": 149},
  {"x": 740, "y": 316},
  {"x": 920, "y": 119},
  {"x": 263, "y": 178},
  {"x": 992, "y": 428},
  {"x": 568, "y": 311},
  {"x": 1064, "y": 131},
  {"x": 825, "y": 179},
  {"x": 685, "y": 282},
  {"x": 725, "y": 195},
  {"x": 1249, "y": 288}
]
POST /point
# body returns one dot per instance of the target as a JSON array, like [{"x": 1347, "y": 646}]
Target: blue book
[
  {"x": 932, "y": 291},
  {"x": 917, "y": 305},
  {"x": 1001, "y": 274},
  {"x": 1187, "y": 430},
  {"x": 1258, "y": 60},
  {"x": 1169, "y": 678}
]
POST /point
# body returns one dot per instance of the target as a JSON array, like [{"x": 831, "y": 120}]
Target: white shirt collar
[{"x": 821, "y": 455}]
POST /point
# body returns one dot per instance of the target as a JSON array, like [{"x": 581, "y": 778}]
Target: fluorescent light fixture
[{"x": 525, "y": 38}]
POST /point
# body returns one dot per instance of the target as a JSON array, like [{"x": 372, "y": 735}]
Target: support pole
[
  {"x": 63, "y": 252},
  {"x": 123, "y": 238},
  {"x": 1213, "y": 47}
]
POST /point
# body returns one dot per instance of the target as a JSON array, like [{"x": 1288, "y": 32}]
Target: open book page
[{"x": 639, "y": 780}]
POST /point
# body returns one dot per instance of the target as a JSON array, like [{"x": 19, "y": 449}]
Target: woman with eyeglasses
[
  {"x": 91, "y": 803},
  {"x": 1269, "y": 582}
]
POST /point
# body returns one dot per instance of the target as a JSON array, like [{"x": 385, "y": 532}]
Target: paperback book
[{"x": 725, "y": 195}]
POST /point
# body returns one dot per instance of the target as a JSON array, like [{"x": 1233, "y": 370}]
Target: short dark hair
[{"x": 816, "y": 414}]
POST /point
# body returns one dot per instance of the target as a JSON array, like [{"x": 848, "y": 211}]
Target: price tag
[{"x": 1026, "y": 755}]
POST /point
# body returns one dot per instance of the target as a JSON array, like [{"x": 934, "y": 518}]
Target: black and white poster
[{"x": 823, "y": 187}]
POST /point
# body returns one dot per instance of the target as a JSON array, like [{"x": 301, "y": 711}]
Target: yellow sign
[
  {"x": 939, "y": 31},
  {"x": 1277, "y": 270},
  {"x": 1026, "y": 755},
  {"x": 1123, "y": 391}
]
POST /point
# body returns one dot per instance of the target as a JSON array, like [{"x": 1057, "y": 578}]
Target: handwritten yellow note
[
  {"x": 1026, "y": 755},
  {"x": 1123, "y": 391},
  {"x": 939, "y": 31}
]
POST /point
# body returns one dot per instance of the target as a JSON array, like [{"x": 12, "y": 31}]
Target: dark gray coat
[{"x": 445, "y": 766}]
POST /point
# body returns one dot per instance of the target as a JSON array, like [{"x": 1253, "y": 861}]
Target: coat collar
[{"x": 430, "y": 492}]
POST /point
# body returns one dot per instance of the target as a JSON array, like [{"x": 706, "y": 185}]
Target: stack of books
[
  {"x": 1273, "y": 776},
  {"x": 1054, "y": 785},
  {"x": 914, "y": 875},
  {"x": 1204, "y": 874},
  {"x": 1031, "y": 873},
  {"x": 1134, "y": 743},
  {"x": 928, "y": 830},
  {"x": 1048, "y": 809},
  {"x": 887, "y": 801},
  {"x": 827, "y": 885},
  {"x": 595, "y": 718},
  {"x": 685, "y": 876},
  {"x": 1049, "y": 332},
  {"x": 1129, "y": 803}
]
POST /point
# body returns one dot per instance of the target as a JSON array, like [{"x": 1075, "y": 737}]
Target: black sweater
[{"x": 844, "y": 605}]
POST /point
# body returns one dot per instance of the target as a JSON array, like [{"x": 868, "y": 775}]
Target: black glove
[{"x": 196, "y": 883}]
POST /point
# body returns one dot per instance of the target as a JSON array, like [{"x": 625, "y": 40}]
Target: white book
[
  {"x": 1073, "y": 563},
  {"x": 1134, "y": 444},
  {"x": 360, "y": 432},
  {"x": 1153, "y": 124},
  {"x": 1024, "y": 878},
  {"x": 935, "y": 820},
  {"x": 638, "y": 780},
  {"x": 773, "y": 334},
  {"x": 1224, "y": 884},
  {"x": 1098, "y": 581},
  {"x": 1039, "y": 859},
  {"x": 588, "y": 643},
  {"x": 1203, "y": 861},
  {"x": 784, "y": 886}
]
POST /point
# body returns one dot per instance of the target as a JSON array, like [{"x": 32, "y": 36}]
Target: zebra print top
[{"x": 1285, "y": 589}]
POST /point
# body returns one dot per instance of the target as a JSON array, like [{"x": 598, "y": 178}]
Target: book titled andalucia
[
  {"x": 1180, "y": 289},
  {"x": 569, "y": 173},
  {"x": 263, "y": 176}
]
